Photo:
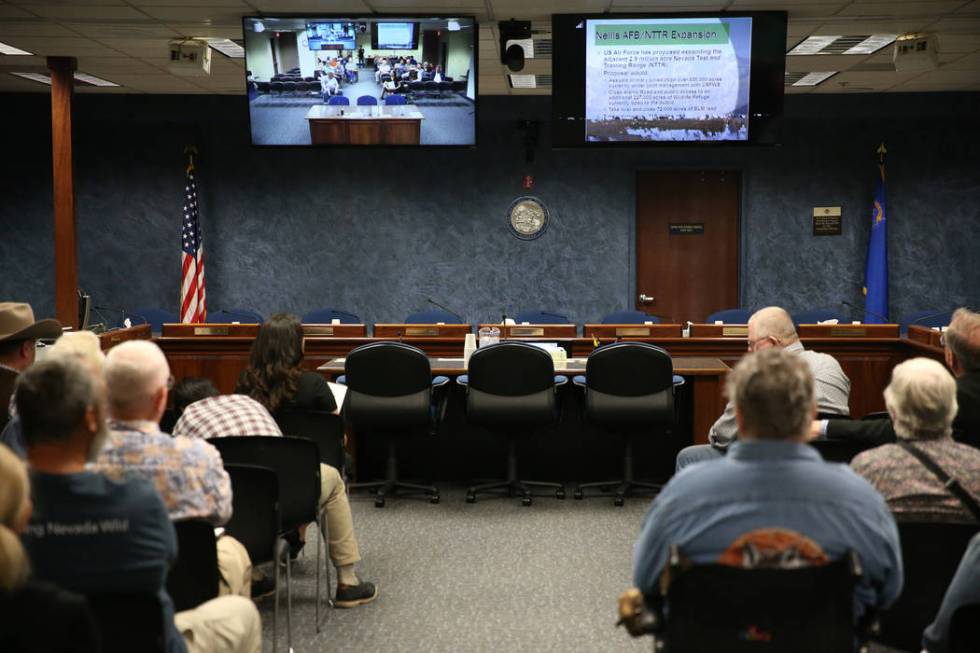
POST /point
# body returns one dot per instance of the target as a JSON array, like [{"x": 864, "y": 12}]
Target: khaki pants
[
  {"x": 235, "y": 568},
  {"x": 227, "y": 624},
  {"x": 340, "y": 526}
]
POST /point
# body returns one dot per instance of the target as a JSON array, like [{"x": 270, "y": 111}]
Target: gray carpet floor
[{"x": 489, "y": 576}]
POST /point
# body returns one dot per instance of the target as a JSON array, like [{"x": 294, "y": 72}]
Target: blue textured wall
[{"x": 375, "y": 232}]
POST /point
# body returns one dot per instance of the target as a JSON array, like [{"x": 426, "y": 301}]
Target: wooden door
[{"x": 687, "y": 235}]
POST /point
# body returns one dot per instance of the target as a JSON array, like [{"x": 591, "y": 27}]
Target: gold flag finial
[
  {"x": 881, "y": 153},
  {"x": 190, "y": 151}
]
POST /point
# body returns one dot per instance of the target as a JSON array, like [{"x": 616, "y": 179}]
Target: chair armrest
[
  {"x": 579, "y": 380},
  {"x": 342, "y": 379},
  {"x": 439, "y": 381},
  {"x": 560, "y": 380},
  {"x": 678, "y": 381},
  {"x": 463, "y": 380}
]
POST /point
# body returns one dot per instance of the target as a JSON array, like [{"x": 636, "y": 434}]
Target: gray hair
[
  {"x": 52, "y": 397},
  {"x": 773, "y": 392},
  {"x": 134, "y": 371},
  {"x": 921, "y": 399},
  {"x": 776, "y": 322},
  {"x": 963, "y": 338}
]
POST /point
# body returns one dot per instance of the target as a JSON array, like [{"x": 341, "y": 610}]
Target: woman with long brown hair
[{"x": 274, "y": 377}]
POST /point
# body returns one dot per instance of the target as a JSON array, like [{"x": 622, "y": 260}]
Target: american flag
[{"x": 193, "y": 307}]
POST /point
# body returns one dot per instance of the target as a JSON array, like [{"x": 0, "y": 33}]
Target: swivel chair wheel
[
  {"x": 379, "y": 503},
  {"x": 434, "y": 498},
  {"x": 470, "y": 498},
  {"x": 525, "y": 501},
  {"x": 560, "y": 494},
  {"x": 619, "y": 500},
  {"x": 579, "y": 495}
]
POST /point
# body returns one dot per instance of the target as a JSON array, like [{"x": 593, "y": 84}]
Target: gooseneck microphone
[
  {"x": 122, "y": 312},
  {"x": 447, "y": 309},
  {"x": 928, "y": 316},
  {"x": 861, "y": 308}
]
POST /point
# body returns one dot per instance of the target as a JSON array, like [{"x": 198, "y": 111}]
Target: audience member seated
[
  {"x": 30, "y": 607},
  {"x": 437, "y": 74},
  {"x": 384, "y": 68},
  {"x": 771, "y": 482},
  {"x": 772, "y": 327},
  {"x": 962, "y": 344},
  {"x": 83, "y": 344},
  {"x": 93, "y": 535},
  {"x": 963, "y": 590},
  {"x": 921, "y": 400},
  {"x": 389, "y": 87},
  {"x": 328, "y": 86},
  {"x": 18, "y": 333},
  {"x": 188, "y": 474},
  {"x": 275, "y": 379}
]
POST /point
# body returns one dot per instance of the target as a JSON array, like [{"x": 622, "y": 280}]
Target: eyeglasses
[
  {"x": 754, "y": 343},
  {"x": 170, "y": 382}
]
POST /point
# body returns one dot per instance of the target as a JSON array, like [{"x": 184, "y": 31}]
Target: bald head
[
  {"x": 136, "y": 376},
  {"x": 771, "y": 327},
  {"x": 921, "y": 399},
  {"x": 963, "y": 342}
]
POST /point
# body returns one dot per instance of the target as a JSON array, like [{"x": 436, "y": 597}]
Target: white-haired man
[
  {"x": 93, "y": 535},
  {"x": 771, "y": 485},
  {"x": 921, "y": 400},
  {"x": 772, "y": 327},
  {"x": 188, "y": 474}
]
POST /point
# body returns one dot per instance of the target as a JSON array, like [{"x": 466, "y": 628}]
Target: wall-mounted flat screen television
[
  {"x": 361, "y": 80},
  {"x": 654, "y": 79}
]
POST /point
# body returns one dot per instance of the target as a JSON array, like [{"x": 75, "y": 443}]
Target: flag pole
[{"x": 190, "y": 151}]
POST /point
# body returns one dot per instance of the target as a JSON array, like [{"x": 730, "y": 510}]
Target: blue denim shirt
[{"x": 769, "y": 484}]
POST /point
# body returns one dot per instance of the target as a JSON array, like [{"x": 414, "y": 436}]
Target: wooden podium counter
[
  {"x": 110, "y": 339},
  {"x": 530, "y": 331},
  {"x": 631, "y": 331},
  {"x": 422, "y": 330},
  {"x": 171, "y": 330},
  {"x": 365, "y": 125}
]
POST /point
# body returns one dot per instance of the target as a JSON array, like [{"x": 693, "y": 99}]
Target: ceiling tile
[
  {"x": 88, "y": 12},
  {"x": 35, "y": 27},
  {"x": 312, "y": 6},
  {"x": 66, "y": 47},
  {"x": 195, "y": 14},
  {"x": 7, "y": 11},
  {"x": 144, "y": 29},
  {"x": 933, "y": 7}
]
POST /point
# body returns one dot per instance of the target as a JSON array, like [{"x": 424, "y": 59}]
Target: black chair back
[
  {"x": 296, "y": 462},
  {"x": 630, "y": 383},
  {"x": 931, "y": 552},
  {"x": 194, "y": 578},
  {"x": 511, "y": 382},
  {"x": 128, "y": 622},
  {"x": 964, "y": 629},
  {"x": 717, "y": 607},
  {"x": 324, "y": 428},
  {"x": 838, "y": 451},
  {"x": 389, "y": 384},
  {"x": 255, "y": 520}
]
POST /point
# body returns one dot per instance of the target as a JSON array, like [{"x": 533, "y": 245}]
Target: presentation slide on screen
[
  {"x": 674, "y": 79},
  {"x": 396, "y": 36}
]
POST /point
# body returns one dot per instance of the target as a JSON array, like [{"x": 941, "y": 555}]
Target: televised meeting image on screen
[{"x": 360, "y": 81}]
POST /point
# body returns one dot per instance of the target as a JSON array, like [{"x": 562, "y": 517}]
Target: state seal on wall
[{"x": 528, "y": 218}]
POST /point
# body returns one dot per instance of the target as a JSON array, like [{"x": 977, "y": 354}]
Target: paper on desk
[{"x": 339, "y": 393}]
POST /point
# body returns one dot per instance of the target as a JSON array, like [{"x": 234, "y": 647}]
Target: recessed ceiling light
[
  {"x": 872, "y": 44},
  {"x": 523, "y": 81},
  {"x": 453, "y": 26},
  {"x": 814, "y": 78},
  {"x": 34, "y": 77},
  {"x": 228, "y": 48},
  {"x": 11, "y": 50},
  {"x": 93, "y": 80}
]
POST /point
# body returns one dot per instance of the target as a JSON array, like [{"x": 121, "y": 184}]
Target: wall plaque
[
  {"x": 422, "y": 331},
  {"x": 632, "y": 331},
  {"x": 211, "y": 331},
  {"x": 686, "y": 228},
  {"x": 826, "y": 221},
  {"x": 317, "y": 330},
  {"x": 527, "y": 217},
  {"x": 735, "y": 331},
  {"x": 526, "y": 332}
]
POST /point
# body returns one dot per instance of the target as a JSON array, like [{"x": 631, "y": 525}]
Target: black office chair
[
  {"x": 243, "y": 315},
  {"x": 324, "y": 428},
  {"x": 256, "y": 523},
  {"x": 129, "y": 622},
  {"x": 964, "y": 629},
  {"x": 433, "y": 316},
  {"x": 296, "y": 462},
  {"x": 511, "y": 388},
  {"x": 629, "y": 390},
  {"x": 390, "y": 392},
  {"x": 931, "y": 553},
  {"x": 630, "y": 317},
  {"x": 715, "y": 607},
  {"x": 194, "y": 578}
]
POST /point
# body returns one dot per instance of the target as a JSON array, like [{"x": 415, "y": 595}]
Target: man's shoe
[
  {"x": 263, "y": 587},
  {"x": 351, "y": 596}
]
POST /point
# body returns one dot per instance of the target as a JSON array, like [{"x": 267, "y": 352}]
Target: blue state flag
[{"x": 876, "y": 271}]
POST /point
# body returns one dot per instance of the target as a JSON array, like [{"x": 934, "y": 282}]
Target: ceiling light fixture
[
  {"x": 227, "y": 47},
  {"x": 11, "y": 50},
  {"x": 34, "y": 77}
]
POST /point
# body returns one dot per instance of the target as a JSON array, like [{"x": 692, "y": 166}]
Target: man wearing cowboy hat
[{"x": 18, "y": 332}]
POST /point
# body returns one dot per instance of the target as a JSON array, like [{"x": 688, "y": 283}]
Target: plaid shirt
[
  {"x": 188, "y": 474},
  {"x": 225, "y": 416}
]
